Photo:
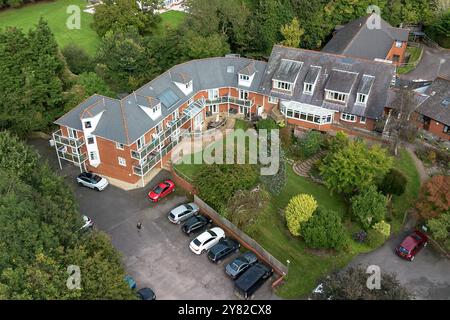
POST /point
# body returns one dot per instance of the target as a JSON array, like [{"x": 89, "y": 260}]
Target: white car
[
  {"x": 183, "y": 212},
  {"x": 206, "y": 240},
  {"x": 92, "y": 180},
  {"x": 87, "y": 223}
]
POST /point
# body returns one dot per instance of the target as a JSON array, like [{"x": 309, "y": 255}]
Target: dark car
[
  {"x": 411, "y": 245},
  {"x": 238, "y": 266},
  {"x": 250, "y": 281},
  {"x": 146, "y": 294},
  {"x": 222, "y": 249},
  {"x": 195, "y": 223}
]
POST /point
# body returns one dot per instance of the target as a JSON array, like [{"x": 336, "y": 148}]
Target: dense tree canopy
[{"x": 40, "y": 235}]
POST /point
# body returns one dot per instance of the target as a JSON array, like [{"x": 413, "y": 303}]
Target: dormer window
[
  {"x": 308, "y": 88},
  {"x": 156, "y": 108},
  {"x": 88, "y": 125},
  {"x": 398, "y": 44},
  {"x": 281, "y": 85},
  {"x": 361, "y": 99},
  {"x": 244, "y": 77},
  {"x": 336, "y": 96},
  {"x": 189, "y": 84}
]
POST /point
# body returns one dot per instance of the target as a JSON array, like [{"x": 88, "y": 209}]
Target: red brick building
[{"x": 125, "y": 139}]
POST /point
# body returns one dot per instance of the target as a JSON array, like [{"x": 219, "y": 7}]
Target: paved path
[
  {"x": 419, "y": 164},
  {"x": 303, "y": 167},
  {"x": 434, "y": 63}
]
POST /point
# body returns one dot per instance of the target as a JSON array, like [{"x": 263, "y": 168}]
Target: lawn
[
  {"x": 172, "y": 18},
  {"x": 55, "y": 14},
  {"x": 414, "y": 55},
  {"x": 401, "y": 204}
]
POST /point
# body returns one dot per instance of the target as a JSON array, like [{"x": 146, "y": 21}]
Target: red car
[
  {"x": 411, "y": 245},
  {"x": 161, "y": 190}
]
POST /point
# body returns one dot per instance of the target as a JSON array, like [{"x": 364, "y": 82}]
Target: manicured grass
[
  {"x": 400, "y": 204},
  {"x": 241, "y": 124},
  {"x": 55, "y": 14},
  {"x": 172, "y": 18},
  {"x": 414, "y": 53}
]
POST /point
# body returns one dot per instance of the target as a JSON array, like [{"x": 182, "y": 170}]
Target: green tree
[
  {"x": 77, "y": 59},
  {"x": 440, "y": 226},
  {"x": 92, "y": 84},
  {"x": 118, "y": 15},
  {"x": 292, "y": 33},
  {"x": 394, "y": 183},
  {"x": 369, "y": 207},
  {"x": 355, "y": 167},
  {"x": 351, "y": 284},
  {"x": 298, "y": 211},
  {"x": 325, "y": 230},
  {"x": 217, "y": 183}
]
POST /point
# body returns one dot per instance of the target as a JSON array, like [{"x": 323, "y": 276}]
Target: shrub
[
  {"x": 217, "y": 183},
  {"x": 440, "y": 226},
  {"x": 434, "y": 197},
  {"x": 286, "y": 137},
  {"x": 383, "y": 227},
  {"x": 375, "y": 239},
  {"x": 267, "y": 124},
  {"x": 275, "y": 183},
  {"x": 393, "y": 183},
  {"x": 298, "y": 211},
  {"x": 325, "y": 230},
  {"x": 369, "y": 207},
  {"x": 311, "y": 143}
]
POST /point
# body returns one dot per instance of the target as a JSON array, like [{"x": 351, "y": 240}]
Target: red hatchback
[
  {"x": 161, "y": 190},
  {"x": 411, "y": 245}
]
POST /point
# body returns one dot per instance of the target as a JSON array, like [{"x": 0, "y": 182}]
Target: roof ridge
[
  {"x": 88, "y": 109},
  {"x": 124, "y": 121},
  {"x": 359, "y": 31}
]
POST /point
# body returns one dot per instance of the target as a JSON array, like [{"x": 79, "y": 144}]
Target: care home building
[
  {"x": 370, "y": 37},
  {"x": 126, "y": 139}
]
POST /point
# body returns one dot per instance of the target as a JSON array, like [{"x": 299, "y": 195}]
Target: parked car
[
  {"x": 87, "y": 223},
  {"x": 146, "y": 294},
  {"x": 238, "y": 266},
  {"x": 250, "y": 281},
  {"x": 161, "y": 190},
  {"x": 195, "y": 223},
  {"x": 183, "y": 212},
  {"x": 130, "y": 281},
  {"x": 92, "y": 180},
  {"x": 206, "y": 240},
  {"x": 223, "y": 249},
  {"x": 411, "y": 245}
]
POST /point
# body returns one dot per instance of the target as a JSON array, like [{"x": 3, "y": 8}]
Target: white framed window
[
  {"x": 244, "y": 77},
  {"x": 140, "y": 142},
  {"x": 90, "y": 140},
  {"x": 189, "y": 84},
  {"x": 398, "y": 44},
  {"x": 191, "y": 101},
  {"x": 93, "y": 155},
  {"x": 348, "y": 117},
  {"x": 213, "y": 94},
  {"x": 281, "y": 85},
  {"x": 336, "y": 96},
  {"x": 87, "y": 125},
  {"x": 213, "y": 108},
  {"x": 176, "y": 114},
  {"x": 362, "y": 119},
  {"x": 273, "y": 100},
  {"x": 308, "y": 88},
  {"x": 156, "y": 108},
  {"x": 72, "y": 133},
  {"x": 446, "y": 129},
  {"x": 307, "y": 117},
  {"x": 361, "y": 98},
  {"x": 243, "y": 94},
  {"x": 119, "y": 146},
  {"x": 122, "y": 161}
]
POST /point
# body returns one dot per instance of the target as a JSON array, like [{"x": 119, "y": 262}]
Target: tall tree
[{"x": 292, "y": 33}]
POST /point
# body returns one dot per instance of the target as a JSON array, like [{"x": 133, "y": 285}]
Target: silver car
[
  {"x": 93, "y": 181},
  {"x": 183, "y": 212}
]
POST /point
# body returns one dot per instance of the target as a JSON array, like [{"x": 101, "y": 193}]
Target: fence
[{"x": 243, "y": 238}]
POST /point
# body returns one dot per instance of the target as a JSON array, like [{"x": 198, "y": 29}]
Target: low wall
[
  {"x": 182, "y": 182},
  {"x": 243, "y": 238}
]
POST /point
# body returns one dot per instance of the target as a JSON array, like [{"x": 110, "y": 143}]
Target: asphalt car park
[{"x": 157, "y": 255}]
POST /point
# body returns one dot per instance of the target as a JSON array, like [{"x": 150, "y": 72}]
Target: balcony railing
[
  {"x": 143, "y": 169},
  {"x": 67, "y": 141},
  {"x": 75, "y": 158},
  {"x": 230, "y": 99}
]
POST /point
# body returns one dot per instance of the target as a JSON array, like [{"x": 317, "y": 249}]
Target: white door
[
  {"x": 260, "y": 110},
  {"x": 198, "y": 120}
]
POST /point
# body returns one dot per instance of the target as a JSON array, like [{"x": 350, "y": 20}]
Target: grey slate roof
[
  {"x": 341, "y": 81},
  {"x": 312, "y": 74},
  {"x": 181, "y": 77},
  {"x": 366, "y": 84},
  {"x": 433, "y": 107},
  {"x": 249, "y": 69},
  {"x": 287, "y": 70},
  {"x": 383, "y": 73},
  {"x": 357, "y": 39},
  {"x": 124, "y": 120}
]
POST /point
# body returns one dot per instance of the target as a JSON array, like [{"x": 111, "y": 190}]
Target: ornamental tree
[
  {"x": 298, "y": 211},
  {"x": 369, "y": 207},
  {"x": 434, "y": 197}
]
